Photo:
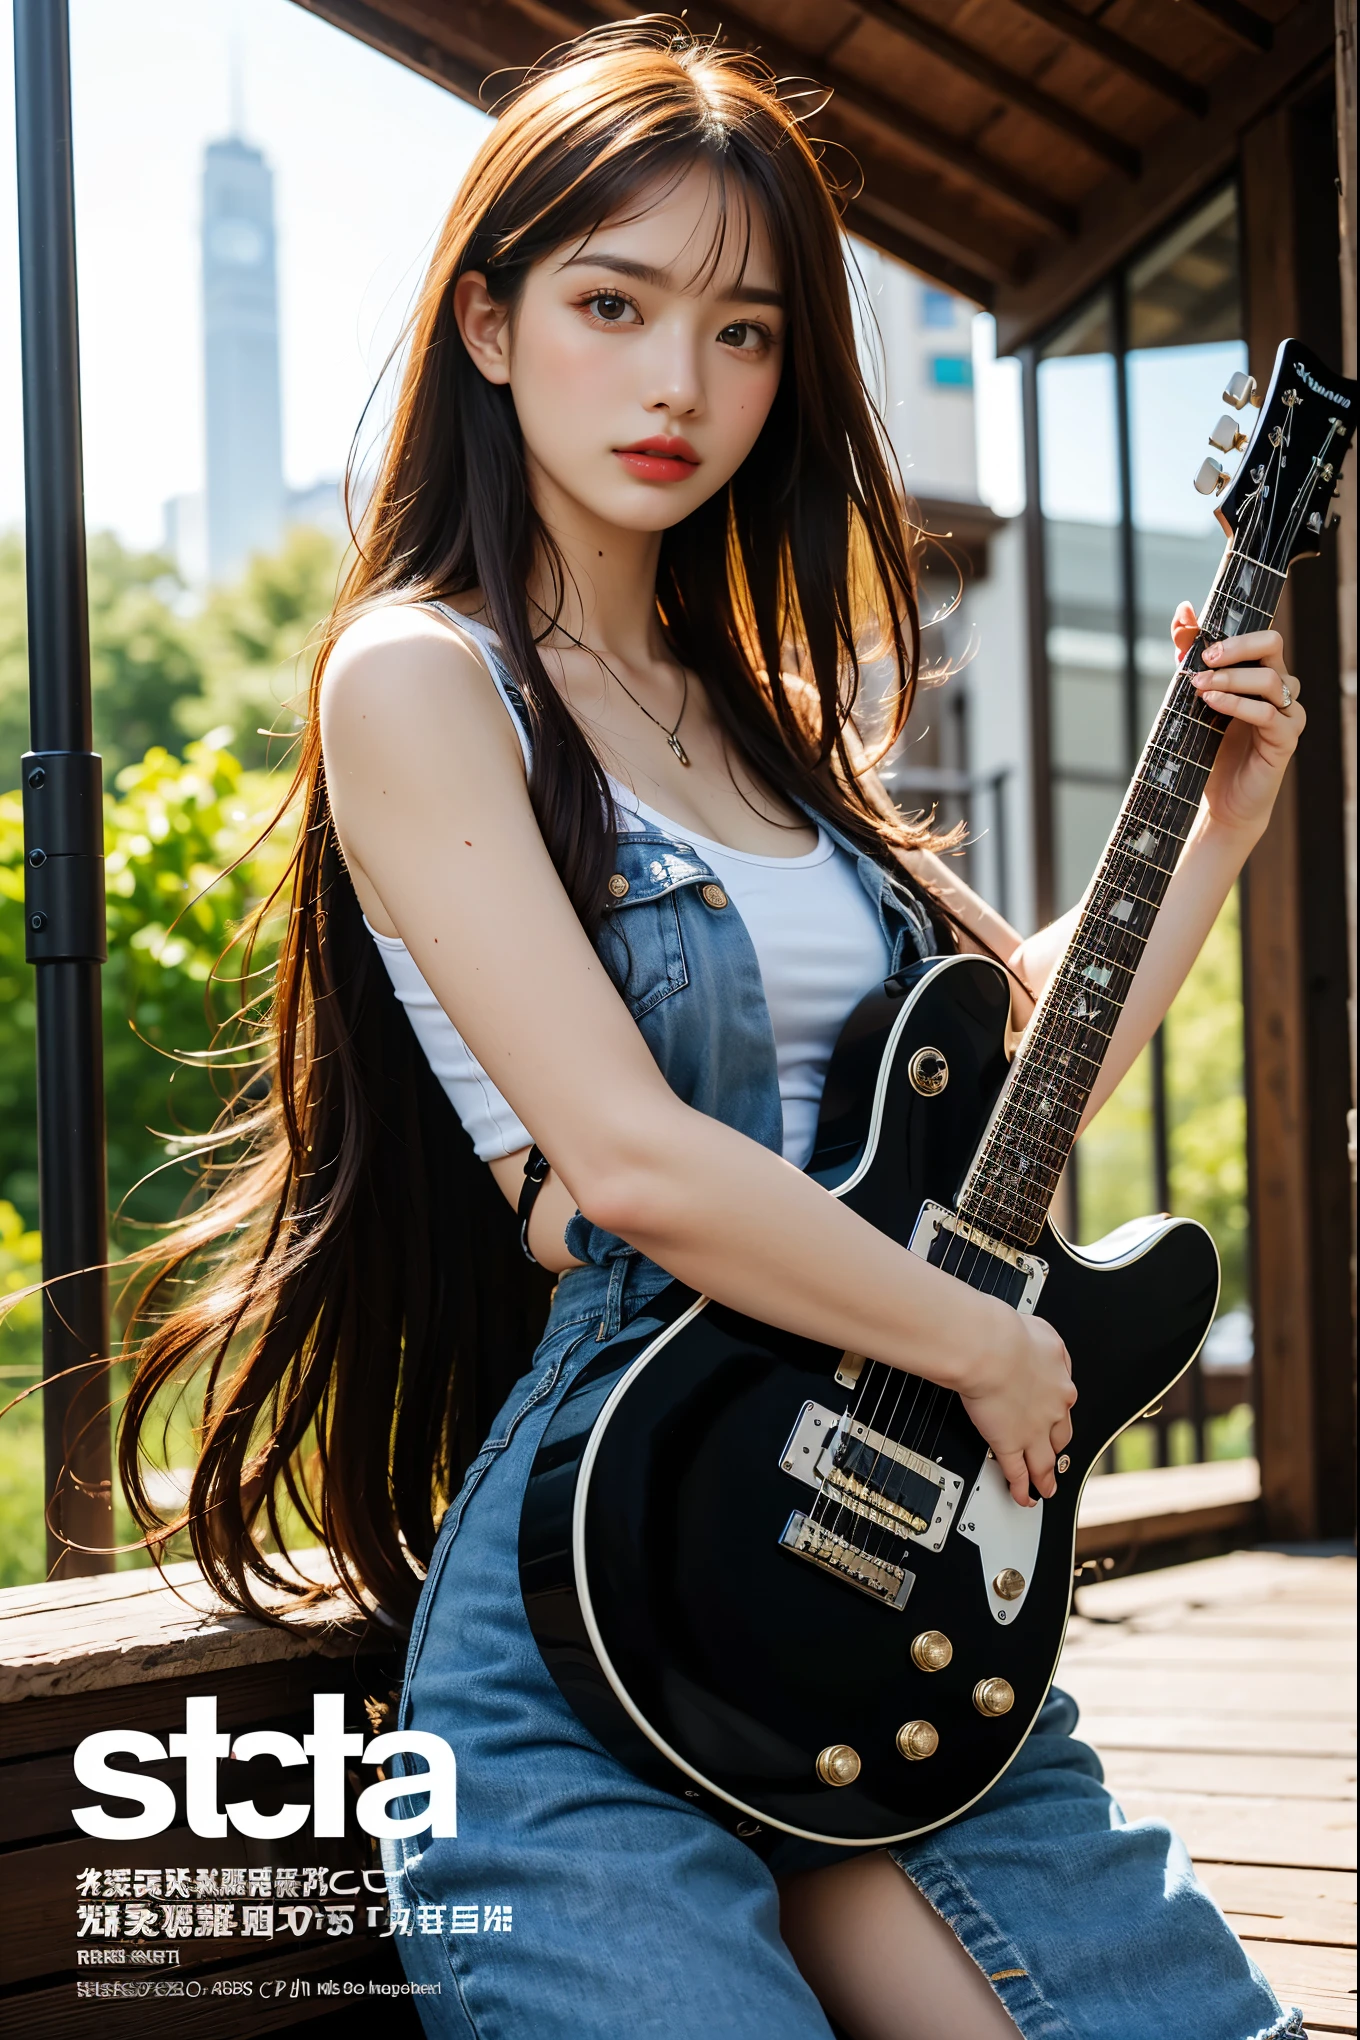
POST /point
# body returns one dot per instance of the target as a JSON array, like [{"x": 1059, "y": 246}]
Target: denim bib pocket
[{"x": 639, "y": 940}]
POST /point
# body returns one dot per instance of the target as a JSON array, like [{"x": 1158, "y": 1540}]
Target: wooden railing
[{"x": 128, "y": 1650}]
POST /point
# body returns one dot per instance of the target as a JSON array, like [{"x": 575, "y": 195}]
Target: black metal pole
[{"x": 63, "y": 821}]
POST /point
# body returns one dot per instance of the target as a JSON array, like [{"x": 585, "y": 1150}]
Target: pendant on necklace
[{"x": 678, "y": 748}]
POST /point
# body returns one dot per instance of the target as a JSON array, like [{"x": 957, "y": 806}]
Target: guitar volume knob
[
  {"x": 1009, "y": 1584},
  {"x": 931, "y": 1651},
  {"x": 838, "y": 1764},
  {"x": 993, "y": 1696},
  {"x": 917, "y": 1739}
]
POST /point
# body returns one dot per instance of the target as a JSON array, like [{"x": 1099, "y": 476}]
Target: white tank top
[{"x": 816, "y": 936}]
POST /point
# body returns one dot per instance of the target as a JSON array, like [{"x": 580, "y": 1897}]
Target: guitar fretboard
[{"x": 1013, "y": 1177}]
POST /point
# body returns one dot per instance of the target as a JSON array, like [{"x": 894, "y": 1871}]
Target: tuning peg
[
  {"x": 1226, "y": 437},
  {"x": 1241, "y": 390},
  {"x": 1211, "y": 479}
]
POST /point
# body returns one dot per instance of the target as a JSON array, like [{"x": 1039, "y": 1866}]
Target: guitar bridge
[{"x": 886, "y": 1583}]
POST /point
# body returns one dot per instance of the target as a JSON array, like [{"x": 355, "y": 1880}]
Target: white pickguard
[{"x": 1006, "y": 1535}]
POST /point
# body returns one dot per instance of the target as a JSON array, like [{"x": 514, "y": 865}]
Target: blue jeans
[{"x": 595, "y": 1907}]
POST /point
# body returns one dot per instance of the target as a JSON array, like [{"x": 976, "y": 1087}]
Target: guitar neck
[{"x": 1014, "y": 1175}]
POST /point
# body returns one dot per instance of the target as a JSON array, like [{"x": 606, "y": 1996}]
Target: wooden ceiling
[{"x": 1012, "y": 149}]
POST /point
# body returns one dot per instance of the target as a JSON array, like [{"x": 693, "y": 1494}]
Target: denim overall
[{"x": 578, "y": 1903}]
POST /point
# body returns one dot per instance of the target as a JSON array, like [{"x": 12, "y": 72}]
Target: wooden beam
[
  {"x": 891, "y": 123},
  {"x": 895, "y": 228},
  {"x": 1294, "y": 921},
  {"x": 457, "y": 60},
  {"x": 1121, "y": 55},
  {"x": 1118, "y": 218},
  {"x": 1008, "y": 86},
  {"x": 1347, "y": 500},
  {"x": 1241, "y": 23}
]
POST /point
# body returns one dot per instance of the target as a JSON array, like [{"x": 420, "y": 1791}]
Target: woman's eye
[
  {"x": 609, "y": 306},
  {"x": 743, "y": 335}
]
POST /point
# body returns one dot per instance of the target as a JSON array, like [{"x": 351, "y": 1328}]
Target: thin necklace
[{"x": 671, "y": 735}]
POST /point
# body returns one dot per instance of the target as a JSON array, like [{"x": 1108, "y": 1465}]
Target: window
[
  {"x": 1125, "y": 393},
  {"x": 938, "y": 307},
  {"x": 951, "y": 371}
]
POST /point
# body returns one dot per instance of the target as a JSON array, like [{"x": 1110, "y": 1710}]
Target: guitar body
[{"x": 720, "y": 1663}]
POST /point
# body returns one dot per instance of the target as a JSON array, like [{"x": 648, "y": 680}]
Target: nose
[{"x": 674, "y": 378}]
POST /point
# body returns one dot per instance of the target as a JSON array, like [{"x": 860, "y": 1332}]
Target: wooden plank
[
  {"x": 38, "y": 1891},
  {"x": 1262, "y": 1775},
  {"x": 252, "y": 1695},
  {"x": 1189, "y": 156},
  {"x": 1109, "y": 1687},
  {"x": 1274, "y": 1903},
  {"x": 58, "y": 2013},
  {"x": 1187, "y": 1650},
  {"x": 121, "y": 1629},
  {"x": 1235, "y": 1579},
  {"x": 1252, "y": 1735},
  {"x": 1165, "y": 1502},
  {"x": 1321, "y": 1981},
  {"x": 1317, "y": 1834}
]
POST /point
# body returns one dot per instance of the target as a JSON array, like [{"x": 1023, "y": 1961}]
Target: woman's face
[{"x": 641, "y": 381}]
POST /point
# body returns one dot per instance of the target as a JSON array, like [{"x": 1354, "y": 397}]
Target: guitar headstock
[{"x": 1274, "y": 508}]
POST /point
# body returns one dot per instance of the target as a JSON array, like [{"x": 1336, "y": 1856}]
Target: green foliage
[
  {"x": 22, "y": 1539},
  {"x": 1206, "y": 1114},
  {"x": 177, "y": 700},
  {"x": 160, "y": 672},
  {"x": 257, "y": 639},
  {"x": 176, "y": 899}
]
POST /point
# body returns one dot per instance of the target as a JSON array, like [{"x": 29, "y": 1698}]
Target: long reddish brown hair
[{"x": 348, "y": 1290}]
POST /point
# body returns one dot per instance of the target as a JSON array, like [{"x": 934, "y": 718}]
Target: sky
[{"x": 366, "y": 157}]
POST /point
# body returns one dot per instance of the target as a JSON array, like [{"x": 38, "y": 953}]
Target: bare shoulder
[{"x": 399, "y": 674}]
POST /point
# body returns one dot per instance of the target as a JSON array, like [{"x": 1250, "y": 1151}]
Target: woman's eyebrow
[{"x": 661, "y": 279}]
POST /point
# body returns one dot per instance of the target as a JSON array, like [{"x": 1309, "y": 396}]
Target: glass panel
[
  {"x": 1079, "y": 488},
  {"x": 1083, "y": 817},
  {"x": 1185, "y": 326},
  {"x": 1115, "y": 1175}
]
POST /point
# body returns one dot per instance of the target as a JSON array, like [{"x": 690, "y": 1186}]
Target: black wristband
[{"x": 535, "y": 1175}]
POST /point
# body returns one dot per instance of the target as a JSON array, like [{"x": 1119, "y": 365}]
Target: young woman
[{"x": 584, "y": 796}]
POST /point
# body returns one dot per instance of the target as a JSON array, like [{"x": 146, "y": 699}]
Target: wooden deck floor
[{"x": 1221, "y": 1697}]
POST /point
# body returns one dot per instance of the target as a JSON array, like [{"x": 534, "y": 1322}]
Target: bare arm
[{"x": 429, "y": 798}]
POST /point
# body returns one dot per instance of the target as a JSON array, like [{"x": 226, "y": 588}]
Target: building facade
[{"x": 242, "y": 411}]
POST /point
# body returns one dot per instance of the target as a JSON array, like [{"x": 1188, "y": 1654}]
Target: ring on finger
[{"x": 1288, "y": 701}]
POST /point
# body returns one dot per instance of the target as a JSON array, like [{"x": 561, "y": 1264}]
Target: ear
[{"x": 484, "y": 325}]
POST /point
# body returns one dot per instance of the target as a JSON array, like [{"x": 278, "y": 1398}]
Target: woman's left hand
[{"x": 1246, "y": 681}]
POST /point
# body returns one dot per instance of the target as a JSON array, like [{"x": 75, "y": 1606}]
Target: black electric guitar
[{"x": 790, "y": 1583}]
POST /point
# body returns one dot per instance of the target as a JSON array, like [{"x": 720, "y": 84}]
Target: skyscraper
[{"x": 241, "y": 357}]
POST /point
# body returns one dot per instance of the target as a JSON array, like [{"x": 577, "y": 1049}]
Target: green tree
[
  {"x": 172, "y": 829},
  {"x": 257, "y": 639},
  {"x": 144, "y": 662}
]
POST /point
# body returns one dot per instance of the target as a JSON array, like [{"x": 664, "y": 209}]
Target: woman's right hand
[{"x": 1019, "y": 1394}]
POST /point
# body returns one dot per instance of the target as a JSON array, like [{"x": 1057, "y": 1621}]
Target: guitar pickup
[
  {"x": 872, "y": 1476},
  {"x": 973, "y": 1256}
]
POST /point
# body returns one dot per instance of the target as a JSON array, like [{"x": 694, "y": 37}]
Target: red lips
[{"x": 662, "y": 458}]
